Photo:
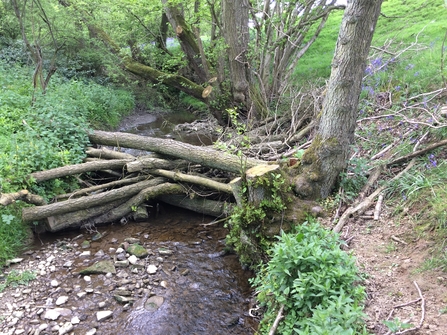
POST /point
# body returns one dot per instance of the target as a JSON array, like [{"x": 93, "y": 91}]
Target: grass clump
[
  {"x": 16, "y": 278},
  {"x": 316, "y": 282}
]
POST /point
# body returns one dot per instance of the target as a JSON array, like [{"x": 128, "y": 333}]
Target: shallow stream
[{"x": 197, "y": 287}]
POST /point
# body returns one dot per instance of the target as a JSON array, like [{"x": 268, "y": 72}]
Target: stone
[
  {"x": 101, "y": 267},
  {"x": 51, "y": 314},
  {"x": 54, "y": 283},
  {"x": 85, "y": 244},
  {"x": 132, "y": 240},
  {"x": 81, "y": 294},
  {"x": 126, "y": 293},
  {"x": 91, "y": 332},
  {"x": 75, "y": 320},
  {"x": 165, "y": 251},
  {"x": 66, "y": 328},
  {"x": 153, "y": 303},
  {"x": 137, "y": 250},
  {"x": 151, "y": 269},
  {"x": 61, "y": 300},
  {"x": 100, "y": 253},
  {"x": 133, "y": 259},
  {"x": 86, "y": 253},
  {"x": 122, "y": 264},
  {"x": 123, "y": 300},
  {"x": 103, "y": 315}
]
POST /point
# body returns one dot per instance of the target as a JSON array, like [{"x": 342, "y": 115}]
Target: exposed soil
[{"x": 391, "y": 254}]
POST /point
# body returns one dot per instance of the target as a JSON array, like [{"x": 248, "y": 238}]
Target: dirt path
[{"x": 391, "y": 253}]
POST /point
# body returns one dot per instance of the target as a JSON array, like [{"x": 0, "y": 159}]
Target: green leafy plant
[
  {"x": 396, "y": 325},
  {"x": 15, "y": 278},
  {"x": 315, "y": 280}
]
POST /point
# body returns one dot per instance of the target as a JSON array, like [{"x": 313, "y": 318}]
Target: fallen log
[
  {"x": 76, "y": 219},
  {"x": 144, "y": 195},
  {"x": 40, "y": 212},
  {"x": 24, "y": 195},
  {"x": 105, "y": 153},
  {"x": 70, "y": 170},
  {"x": 202, "y": 181},
  {"x": 202, "y": 155},
  {"x": 198, "y": 205},
  {"x": 155, "y": 163},
  {"x": 91, "y": 189}
]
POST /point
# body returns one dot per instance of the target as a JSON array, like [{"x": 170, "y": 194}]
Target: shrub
[{"x": 316, "y": 282}]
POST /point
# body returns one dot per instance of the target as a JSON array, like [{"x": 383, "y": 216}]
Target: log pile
[{"x": 120, "y": 185}]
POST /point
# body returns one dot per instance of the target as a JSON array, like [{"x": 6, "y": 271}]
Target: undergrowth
[
  {"x": 46, "y": 132},
  {"x": 316, "y": 281}
]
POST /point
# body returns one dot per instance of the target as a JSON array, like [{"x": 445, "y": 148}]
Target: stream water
[{"x": 200, "y": 289}]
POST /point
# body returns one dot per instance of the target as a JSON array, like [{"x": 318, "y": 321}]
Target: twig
[
  {"x": 378, "y": 207},
  {"x": 359, "y": 207},
  {"x": 418, "y": 152},
  {"x": 422, "y": 313},
  {"x": 276, "y": 323},
  {"x": 398, "y": 240}
]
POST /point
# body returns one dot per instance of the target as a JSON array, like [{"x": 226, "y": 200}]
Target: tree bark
[
  {"x": 200, "y": 155},
  {"x": 155, "y": 163},
  {"x": 328, "y": 154},
  {"x": 105, "y": 153},
  {"x": 235, "y": 30},
  {"x": 76, "y": 219},
  {"x": 40, "y": 212},
  {"x": 198, "y": 205},
  {"x": 144, "y": 195},
  {"x": 70, "y": 170},
  {"x": 206, "y": 182}
]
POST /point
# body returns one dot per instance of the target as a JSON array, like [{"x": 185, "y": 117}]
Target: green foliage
[
  {"x": 315, "y": 280},
  {"x": 396, "y": 325},
  {"x": 44, "y": 134},
  {"x": 15, "y": 278},
  {"x": 12, "y": 232},
  {"x": 353, "y": 179}
]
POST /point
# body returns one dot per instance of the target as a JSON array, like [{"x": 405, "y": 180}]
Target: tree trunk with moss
[{"x": 328, "y": 154}]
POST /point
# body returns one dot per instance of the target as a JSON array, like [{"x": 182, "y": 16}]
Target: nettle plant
[
  {"x": 316, "y": 281},
  {"x": 248, "y": 222}
]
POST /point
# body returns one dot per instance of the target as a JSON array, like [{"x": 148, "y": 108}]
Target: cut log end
[
  {"x": 260, "y": 170},
  {"x": 207, "y": 91}
]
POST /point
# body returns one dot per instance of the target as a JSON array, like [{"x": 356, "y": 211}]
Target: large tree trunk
[
  {"x": 328, "y": 154},
  {"x": 235, "y": 30},
  {"x": 200, "y": 155}
]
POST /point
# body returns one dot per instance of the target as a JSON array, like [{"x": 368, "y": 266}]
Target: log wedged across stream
[
  {"x": 41, "y": 212},
  {"x": 201, "y": 155},
  {"x": 139, "y": 179}
]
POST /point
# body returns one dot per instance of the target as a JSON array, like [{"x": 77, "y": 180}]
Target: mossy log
[
  {"x": 155, "y": 163},
  {"x": 70, "y": 170},
  {"x": 202, "y": 155},
  {"x": 147, "y": 193},
  {"x": 41, "y": 212},
  {"x": 199, "y": 205},
  {"x": 259, "y": 181},
  {"x": 77, "y": 218}
]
